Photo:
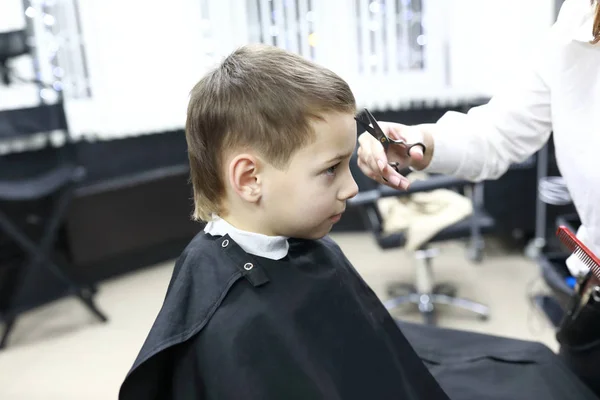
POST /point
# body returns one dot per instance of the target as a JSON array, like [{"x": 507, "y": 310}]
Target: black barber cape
[{"x": 239, "y": 326}]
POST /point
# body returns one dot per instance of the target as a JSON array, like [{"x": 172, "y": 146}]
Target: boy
[{"x": 261, "y": 304}]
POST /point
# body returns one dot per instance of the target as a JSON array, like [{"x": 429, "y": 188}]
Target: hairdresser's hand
[{"x": 373, "y": 161}]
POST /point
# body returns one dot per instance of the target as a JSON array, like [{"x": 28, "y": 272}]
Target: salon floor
[{"x": 59, "y": 352}]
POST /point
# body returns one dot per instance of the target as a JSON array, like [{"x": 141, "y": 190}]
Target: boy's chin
[{"x": 315, "y": 234}]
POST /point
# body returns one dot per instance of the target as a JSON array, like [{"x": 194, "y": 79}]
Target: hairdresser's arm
[
  {"x": 484, "y": 142},
  {"x": 480, "y": 144},
  {"x": 516, "y": 123}
]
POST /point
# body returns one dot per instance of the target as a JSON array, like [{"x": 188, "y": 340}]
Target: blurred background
[{"x": 94, "y": 197}]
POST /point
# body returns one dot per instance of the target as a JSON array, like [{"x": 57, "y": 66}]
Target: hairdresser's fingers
[
  {"x": 372, "y": 161},
  {"x": 416, "y": 153},
  {"x": 371, "y": 153},
  {"x": 411, "y": 135},
  {"x": 385, "y": 175},
  {"x": 394, "y": 179},
  {"x": 369, "y": 172}
]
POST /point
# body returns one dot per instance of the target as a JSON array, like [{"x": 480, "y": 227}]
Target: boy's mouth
[{"x": 336, "y": 217}]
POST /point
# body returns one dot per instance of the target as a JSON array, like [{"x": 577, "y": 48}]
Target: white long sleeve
[
  {"x": 559, "y": 92},
  {"x": 516, "y": 123}
]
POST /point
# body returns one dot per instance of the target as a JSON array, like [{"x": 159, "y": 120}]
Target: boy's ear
[{"x": 244, "y": 177}]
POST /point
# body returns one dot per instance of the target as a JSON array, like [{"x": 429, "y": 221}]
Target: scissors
[{"x": 378, "y": 134}]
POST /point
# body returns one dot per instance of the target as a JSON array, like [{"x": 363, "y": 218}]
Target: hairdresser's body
[{"x": 558, "y": 92}]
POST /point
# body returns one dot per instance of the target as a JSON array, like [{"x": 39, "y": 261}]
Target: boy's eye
[{"x": 331, "y": 170}]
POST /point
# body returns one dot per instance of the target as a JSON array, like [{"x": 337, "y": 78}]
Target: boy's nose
[{"x": 350, "y": 189}]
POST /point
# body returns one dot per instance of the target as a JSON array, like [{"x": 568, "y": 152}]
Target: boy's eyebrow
[{"x": 338, "y": 157}]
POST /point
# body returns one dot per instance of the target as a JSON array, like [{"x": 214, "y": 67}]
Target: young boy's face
[{"x": 307, "y": 198}]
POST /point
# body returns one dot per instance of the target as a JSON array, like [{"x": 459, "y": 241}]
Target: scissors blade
[
  {"x": 366, "y": 126},
  {"x": 374, "y": 129}
]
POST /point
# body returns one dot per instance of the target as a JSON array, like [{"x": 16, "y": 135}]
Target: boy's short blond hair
[{"x": 261, "y": 98}]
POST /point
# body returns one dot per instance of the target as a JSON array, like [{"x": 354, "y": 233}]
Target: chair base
[
  {"x": 40, "y": 254},
  {"x": 443, "y": 294},
  {"x": 85, "y": 294}
]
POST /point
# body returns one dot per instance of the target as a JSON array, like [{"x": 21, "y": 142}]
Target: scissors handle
[{"x": 408, "y": 146}]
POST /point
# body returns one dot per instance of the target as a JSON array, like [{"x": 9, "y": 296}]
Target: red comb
[{"x": 579, "y": 249}]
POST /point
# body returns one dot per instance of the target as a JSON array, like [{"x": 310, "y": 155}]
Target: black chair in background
[
  {"x": 12, "y": 44},
  {"x": 56, "y": 183},
  {"x": 425, "y": 293}
]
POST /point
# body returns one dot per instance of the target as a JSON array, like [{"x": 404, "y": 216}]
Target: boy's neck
[
  {"x": 272, "y": 247},
  {"x": 247, "y": 225}
]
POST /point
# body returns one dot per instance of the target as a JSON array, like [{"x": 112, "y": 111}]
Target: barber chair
[
  {"x": 56, "y": 184},
  {"x": 425, "y": 293},
  {"x": 13, "y": 44}
]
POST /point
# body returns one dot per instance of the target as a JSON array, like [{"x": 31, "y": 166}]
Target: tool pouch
[{"x": 579, "y": 339}]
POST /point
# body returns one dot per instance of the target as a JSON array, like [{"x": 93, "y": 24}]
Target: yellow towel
[{"x": 422, "y": 215}]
